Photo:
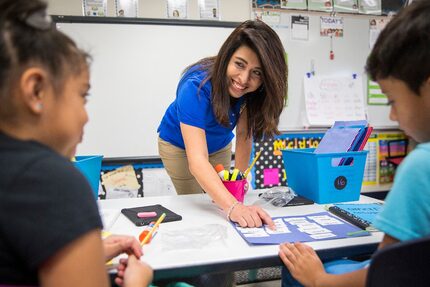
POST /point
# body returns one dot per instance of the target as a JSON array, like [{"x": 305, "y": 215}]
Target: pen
[
  {"x": 159, "y": 220},
  {"x": 245, "y": 175}
]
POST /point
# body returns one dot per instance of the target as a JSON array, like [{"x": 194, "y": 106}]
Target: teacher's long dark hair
[{"x": 264, "y": 106}]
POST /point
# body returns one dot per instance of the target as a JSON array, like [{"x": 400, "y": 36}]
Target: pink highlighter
[{"x": 146, "y": 214}]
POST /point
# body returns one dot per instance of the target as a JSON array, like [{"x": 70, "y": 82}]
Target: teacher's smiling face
[{"x": 244, "y": 72}]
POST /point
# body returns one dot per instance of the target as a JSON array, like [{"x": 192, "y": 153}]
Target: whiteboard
[{"x": 136, "y": 68}]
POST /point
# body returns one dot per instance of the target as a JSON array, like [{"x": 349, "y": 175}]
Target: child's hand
[
  {"x": 302, "y": 262},
  {"x": 133, "y": 272},
  {"x": 117, "y": 244}
]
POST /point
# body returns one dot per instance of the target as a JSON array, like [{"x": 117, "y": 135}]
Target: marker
[
  {"x": 220, "y": 170},
  {"x": 234, "y": 174},
  {"x": 239, "y": 176},
  {"x": 146, "y": 214},
  {"x": 226, "y": 175}
]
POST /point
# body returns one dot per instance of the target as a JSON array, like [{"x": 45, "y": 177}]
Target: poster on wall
[
  {"x": 209, "y": 9},
  {"x": 390, "y": 146},
  {"x": 332, "y": 98},
  {"x": 375, "y": 28},
  {"x": 94, "y": 7},
  {"x": 177, "y": 9},
  {"x": 375, "y": 96},
  {"x": 370, "y": 176},
  {"x": 271, "y": 18},
  {"x": 126, "y": 8},
  {"x": 300, "y": 27},
  {"x": 370, "y": 7},
  {"x": 320, "y": 5},
  {"x": 331, "y": 26},
  {"x": 294, "y": 4},
  {"x": 266, "y": 4},
  {"x": 345, "y": 6}
]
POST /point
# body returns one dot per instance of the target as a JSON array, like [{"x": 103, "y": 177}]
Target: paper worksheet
[{"x": 305, "y": 228}]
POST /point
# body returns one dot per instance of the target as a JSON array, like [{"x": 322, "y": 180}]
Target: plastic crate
[
  {"x": 90, "y": 166},
  {"x": 320, "y": 178}
]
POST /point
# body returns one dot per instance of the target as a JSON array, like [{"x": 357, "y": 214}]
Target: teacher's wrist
[{"x": 231, "y": 208}]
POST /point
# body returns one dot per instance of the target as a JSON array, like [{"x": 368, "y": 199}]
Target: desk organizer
[
  {"x": 320, "y": 178},
  {"x": 90, "y": 166}
]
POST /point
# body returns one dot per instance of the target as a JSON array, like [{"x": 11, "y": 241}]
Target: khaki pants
[{"x": 176, "y": 164}]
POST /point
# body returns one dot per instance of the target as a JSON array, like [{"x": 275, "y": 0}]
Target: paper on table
[
  {"x": 109, "y": 216},
  {"x": 306, "y": 228}
]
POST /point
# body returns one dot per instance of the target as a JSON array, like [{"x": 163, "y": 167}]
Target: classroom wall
[
  {"x": 132, "y": 86},
  {"x": 230, "y": 10}
]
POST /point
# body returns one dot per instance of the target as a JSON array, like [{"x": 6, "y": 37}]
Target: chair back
[{"x": 402, "y": 264}]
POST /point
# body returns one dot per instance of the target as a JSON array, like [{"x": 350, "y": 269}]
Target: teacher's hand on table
[{"x": 250, "y": 216}]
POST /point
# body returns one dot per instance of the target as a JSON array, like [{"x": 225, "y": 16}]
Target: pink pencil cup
[{"x": 237, "y": 188}]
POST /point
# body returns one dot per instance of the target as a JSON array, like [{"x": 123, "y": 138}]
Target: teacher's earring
[{"x": 39, "y": 107}]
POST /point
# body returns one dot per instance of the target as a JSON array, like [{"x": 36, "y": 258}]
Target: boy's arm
[
  {"x": 306, "y": 267},
  {"x": 351, "y": 279},
  {"x": 387, "y": 240}
]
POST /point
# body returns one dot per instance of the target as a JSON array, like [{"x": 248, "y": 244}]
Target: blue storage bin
[
  {"x": 319, "y": 176},
  {"x": 90, "y": 166}
]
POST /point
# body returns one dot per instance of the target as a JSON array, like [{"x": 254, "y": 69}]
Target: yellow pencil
[
  {"x": 159, "y": 220},
  {"x": 245, "y": 175}
]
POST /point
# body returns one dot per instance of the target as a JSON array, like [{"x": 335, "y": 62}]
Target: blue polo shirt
[{"x": 193, "y": 107}]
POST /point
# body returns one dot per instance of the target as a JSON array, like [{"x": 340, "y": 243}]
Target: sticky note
[{"x": 271, "y": 176}]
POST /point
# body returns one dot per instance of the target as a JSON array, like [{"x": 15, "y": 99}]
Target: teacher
[{"x": 243, "y": 87}]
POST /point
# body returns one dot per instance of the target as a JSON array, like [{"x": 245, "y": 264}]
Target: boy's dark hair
[
  {"x": 28, "y": 38},
  {"x": 402, "y": 50}
]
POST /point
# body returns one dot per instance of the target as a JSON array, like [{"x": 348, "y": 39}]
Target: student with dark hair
[
  {"x": 400, "y": 63},
  {"x": 49, "y": 222},
  {"x": 243, "y": 87}
]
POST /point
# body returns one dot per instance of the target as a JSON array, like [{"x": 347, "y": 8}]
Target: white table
[{"x": 191, "y": 256}]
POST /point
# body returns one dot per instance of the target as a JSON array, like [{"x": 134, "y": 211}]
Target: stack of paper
[{"x": 345, "y": 136}]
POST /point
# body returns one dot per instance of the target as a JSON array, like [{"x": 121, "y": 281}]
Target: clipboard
[{"x": 131, "y": 214}]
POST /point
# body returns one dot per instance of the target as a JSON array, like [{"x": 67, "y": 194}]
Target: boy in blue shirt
[{"x": 400, "y": 62}]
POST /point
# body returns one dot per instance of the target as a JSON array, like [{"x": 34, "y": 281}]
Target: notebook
[{"x": 359, "y": 214}]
